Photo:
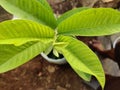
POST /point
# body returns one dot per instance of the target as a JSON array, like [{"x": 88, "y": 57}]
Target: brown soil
[
  {"x": 41, "y": 75},
  {"x": 4, "y": 15}
]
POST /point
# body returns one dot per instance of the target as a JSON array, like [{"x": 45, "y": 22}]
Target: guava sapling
[{"x": 38, "y": 29}]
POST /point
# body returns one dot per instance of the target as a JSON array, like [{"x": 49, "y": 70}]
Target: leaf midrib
[
  {"x": 74, "y": 30},
  {"x": 29, "y": 38}
]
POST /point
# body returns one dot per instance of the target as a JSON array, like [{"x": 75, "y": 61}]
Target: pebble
[
  {"x": 60, "y": 88},
  {"x": 51, "y": 69}
]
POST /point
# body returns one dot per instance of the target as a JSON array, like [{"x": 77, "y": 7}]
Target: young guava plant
[{"x": 38, "y": 29}]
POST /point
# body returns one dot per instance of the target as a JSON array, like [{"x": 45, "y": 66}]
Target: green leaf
[
  {"x": 70, "y": 13},
  {"x": 55, "y": 52},
  {"x": 91, "y": 22},
  {"x": 11, "y": 56},
  {"x": 18, "y": 32},
  {"x": 45, "y": 4},
  {"x": 81, "y": 58},
  {"x": 30, "y": 9},
  {"x": 85, "y": 76}
]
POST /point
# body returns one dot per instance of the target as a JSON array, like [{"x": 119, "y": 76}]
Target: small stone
[
  {"x": 67, "y": 85},
  {"x": 51, "y": 69},
  {"x": 60, "y": 88},
  {"x": 40, "y": 74}
]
